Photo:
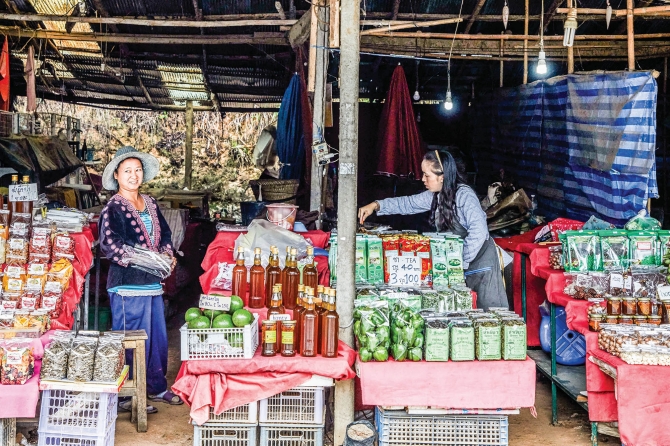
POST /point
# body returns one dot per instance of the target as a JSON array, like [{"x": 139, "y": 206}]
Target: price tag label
[
  {"x": 663, "y": 292},
  {"x": 404, "y": 271},
  {"x": 23, "y": 192},
  {"x": 280, "y": 317},
  {"x": 214, "y": 302},
  {"x": 616, "y": 280}
]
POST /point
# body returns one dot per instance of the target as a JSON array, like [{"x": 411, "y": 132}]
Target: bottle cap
[
  {"x": 26, "y": 178},
  {"x": 301, "y": 287},
  {"x": 257, "y": 251},
  {"x": 240, "y": 249},
  {"x": 275, "y": 288},
  {"x": 279, "y": 285},
  {"x": 294, "y": 252},
  {"x": 310, "y": 250},
  {"x": 331, "y": 292},
  {"x": 319, "y": 288}
]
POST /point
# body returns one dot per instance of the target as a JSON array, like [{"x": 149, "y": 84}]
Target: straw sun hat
[{"x": 150, "y": 166}]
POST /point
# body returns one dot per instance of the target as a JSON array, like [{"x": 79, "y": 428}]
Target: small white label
[
  {"x": 616, "y": 280},
  {"x": 34, "y": 283},
  {"x": 280, "y": 317},
  {"x": 49, "y": 303},
  {"x": 28, "y": 303},
  {"x": 23, "y": 192},
  {"x": 8, "y": 304},
  {"x": 218, "y": 338},
  {"x": 627, "y": 282},
  {"x": 214, "y": 302},
  {"x": 14, "y": 272},
  {"x": 63, "y": 242},
  {"x": 17, "y": 244},
  {"x": 14, "y": 357},
  {"x": 404, "y": 271},
  {"x": 14, "y": 285},
  {"x": 663, "y": 292},
  {"x": 54, "y": 287},
  {"x": 224, "y": 278},
  {"x": 37, "y": 269}
]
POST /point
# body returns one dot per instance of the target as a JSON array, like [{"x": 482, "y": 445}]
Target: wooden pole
[
  {"x": 382, "y": 29},
  {"x": 496, "y": 37},
  {"x": 188, "y": 146},
  {"x": 571, "y": 59},
  {"x": 347, "y": 203},
  {"x": 319, "y": 109},
  {"x": 525, "y": 46},
  {"x": 502, "y": 67},
  {"x": 631, "y": 35}
]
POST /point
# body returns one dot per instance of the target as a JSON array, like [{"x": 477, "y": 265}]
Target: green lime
[
  {"x": 223, "y": 321},
  {"x": 212, "y": 314},
  {"x": 242, "y": 318},
  {"x": 199, "y": 323},
  {"x": 236, "y": 303},
  {"x": 191, "y": 314}
]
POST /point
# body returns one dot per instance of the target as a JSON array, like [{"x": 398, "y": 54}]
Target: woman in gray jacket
[{"x": 453, "y": 207}]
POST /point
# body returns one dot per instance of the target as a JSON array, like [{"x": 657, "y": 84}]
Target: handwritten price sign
[
  {"x": 404, "y": 270},
  {"x": 23, "y": 192},
  {"x": 214, "y": 302}
]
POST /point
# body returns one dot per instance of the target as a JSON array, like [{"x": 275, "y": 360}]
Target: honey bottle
[
  {"x": 309, "y": 329},
  {"x": 292, "y": 280},
  {"x": 297, "y": 313},
  {"x": 272, "y": 274},
  {"x": 330, "y": 326},
  {"x": 13, "y": 206},
  {"x": 310, "y": 276},
  {"x": 283, "y": 271},
  {"x": 240, "y": 276},
  {"x": 276, "y": 307},
  {"x": 25, "y": 207},
  {"x": 257, "y": 282}
]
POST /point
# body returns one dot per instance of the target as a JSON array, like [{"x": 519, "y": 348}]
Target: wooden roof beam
[
  {"x": 474, "y": 15},
  {"x": 551, "y": 13}
]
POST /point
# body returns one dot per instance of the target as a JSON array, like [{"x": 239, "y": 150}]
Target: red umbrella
[{"x": 400, "y": 145}]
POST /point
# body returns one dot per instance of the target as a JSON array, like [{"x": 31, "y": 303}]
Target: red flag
[
  {"x": 4, "y": 77},
  {"x": 400, "y": 146}
]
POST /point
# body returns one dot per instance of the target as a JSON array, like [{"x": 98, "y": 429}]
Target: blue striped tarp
[{"x": 584, "y": 144}]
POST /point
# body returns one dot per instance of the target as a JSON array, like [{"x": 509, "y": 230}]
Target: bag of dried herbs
[
  {"x": 462, "y": 340},
  {"x": 109, "y": 358},
  {"x": 437, "y": 339},
  {"x": 372, "y": 330},
  {"x": 583, "y": 251},
  {"x": 663, "y": 249},
  {"x": 614, "y": 246},
  {"x": 430, "y": 300},
  {"x": 487, "y": 339},
  {"x": 462, "y": 298},
  {"x": 642, "y": 247},
  {"x": 81, "y": 362},
  {"x": 513, "y": 339},
  {"x": 56, "y": 354}
]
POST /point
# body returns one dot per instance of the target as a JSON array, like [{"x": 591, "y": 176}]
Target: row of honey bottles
[
  {"x": 313, "y": 329},
  {"x": 261, "y": 280},
  {"x": 25, "y": 207}
]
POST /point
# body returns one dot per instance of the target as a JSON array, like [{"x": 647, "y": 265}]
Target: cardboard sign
[
  {"x": 23, "y": 192},
  {"x": 214, "y": 302},
  {"x": 404, "y": 271}
]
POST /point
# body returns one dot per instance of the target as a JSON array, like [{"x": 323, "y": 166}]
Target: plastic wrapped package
[
  {"x": 430, "y": 300},
  {"x": 20, "y": 225},
  {"x": 437, "y": 339},
  {"x": 6, "y": 318},
  {"x": 488, "y": 339},
  {"x": 462, "y": 338},
  {"x": 80, "y": 365},
  {"x": 30, "y": 300},
  {"x": 17, "y": 250},
  {"x": 447, "y": 300},
  {"x": 583, "y": 251},
  {"x": 372, "y": 329},
  {"x": 61, "y": 271},
  {"x": 56, "y": 354},
  {"x": 40, "y": 242},
  {"x": 577, "y": 285},
  {"x": 556, "y": 257},
  {"x": 151, "y": 262},
  {"x": 4, "y": 223},
  {"x": 642, "y": 222},
  {"x": 514, "y": 339},
  {"x": 109, "y": 358},
  {"x": 462, "y": 298},
  {"x": 646, "y": 279},
  {"x": 63, "y": 247},
  {"x": 614, "y": 246},
  {"x": 14, "y": 278},
  {"x": 406, "y": 331},
  {"x": 18, "y": 362},
  {"x": 642, "y": 247},
  {"x": 52, "y": 298}
]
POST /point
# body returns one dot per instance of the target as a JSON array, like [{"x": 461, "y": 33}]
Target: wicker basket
[{"x": 275, "y": 191}]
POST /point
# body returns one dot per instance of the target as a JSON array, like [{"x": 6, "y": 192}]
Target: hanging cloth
[
  {"x": 290, "y": 141},
  {"x": 29, "y": 74},
  {"x": 4, "y": 77},
  {"x": 399, "y": 143}
]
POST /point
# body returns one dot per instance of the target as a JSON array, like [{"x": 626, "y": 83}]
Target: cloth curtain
[
  {"x": 4, "y": 77},
  {"x": 290, "y": 140},
  {"x": 400, "y": 146}
]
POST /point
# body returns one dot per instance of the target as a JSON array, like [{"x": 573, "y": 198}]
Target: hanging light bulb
[
  {"x": 570, "y": 27},
  {"x": 416, "y": 96},
  {"x": 608, "y": 14},
  {"x": 448, "y": 102},
  {"x": 505, "y": 14},
  {"x": 541, "y": 67},
  {"x": 418, "y": 117}
]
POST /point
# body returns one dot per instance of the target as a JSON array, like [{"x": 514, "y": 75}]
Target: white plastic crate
[
  {"x": 219, "y": 343},
  {"x": 7, "y": 431},
  {"x": 46, "y": 438},
  {"x": 78, "y": 413},
  {"x": 298, "y": 405},
  {"x": 291, "y": 435},
  {"x": 225, "y": 435},
  {"x": 396, "y": 427},
  {"x": 245, "y": 414}
]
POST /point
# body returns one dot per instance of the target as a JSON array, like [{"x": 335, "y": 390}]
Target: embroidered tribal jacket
[{"x": 120, "y": 224}]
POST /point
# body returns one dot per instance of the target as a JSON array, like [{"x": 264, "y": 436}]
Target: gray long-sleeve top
[{"x": 468, "y": 212}]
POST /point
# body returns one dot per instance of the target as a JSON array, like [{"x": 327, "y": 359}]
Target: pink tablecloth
[
  {"x": 224, "y": 384},
  {"x": 462, "y": 385},
  {"x": 21, "y": 401}
]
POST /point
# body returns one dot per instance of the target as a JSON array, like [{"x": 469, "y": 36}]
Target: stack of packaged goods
[
  {"x": 646, "y": 345},
  {"x": 620, "y": 272}
]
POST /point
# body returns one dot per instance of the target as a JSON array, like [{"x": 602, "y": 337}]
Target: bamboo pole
[
  {"x": 645, "y": 11},
  {"x": 382, "y": 30},
  {"x": 502, "y": 63},
  {"x": 497, "y": 37},
  {"x": 571, "y": 60},
  {"x": 474, "y": 15},
  {"x": 630, "y": 35},
  {"x": 525, "y": 45},
  {"x": 188, "y": 146}
]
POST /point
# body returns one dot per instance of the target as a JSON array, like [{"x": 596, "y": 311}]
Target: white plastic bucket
[{"x": 282, "y": 214}]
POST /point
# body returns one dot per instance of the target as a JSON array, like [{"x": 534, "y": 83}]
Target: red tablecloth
[
  {"x": 224, "y": 384},
  {"x": 223, "y": 246},
  {"x": 462, "y": 385},
  {"x": 535, "y": 294}
]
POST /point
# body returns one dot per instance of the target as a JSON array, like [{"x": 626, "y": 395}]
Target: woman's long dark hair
[{"x": 453, "y": 177}]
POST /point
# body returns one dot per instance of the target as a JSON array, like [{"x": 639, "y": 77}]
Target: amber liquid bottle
[
  {"x": 297, "y": 314},
  {"x": 309, "y": 329},
  {"x": 292, "y": 279},
  {"x": 257, "y": 282},
  {"x": 276, "y": 307},
  {"x": 13, "y": 206},
  {"x": 25, "y": 206},
  {"x": 272, "y": 274},
  {"x": 310, "y": 276},
  {"x": 283, "y": 272},
  {"x": 240, "y": 277},
  {"x": 321, "y": 307},
  {"x": 330, "y": 326}
]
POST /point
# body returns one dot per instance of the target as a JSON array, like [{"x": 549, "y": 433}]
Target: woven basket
[{"x": 275, "y": 191}]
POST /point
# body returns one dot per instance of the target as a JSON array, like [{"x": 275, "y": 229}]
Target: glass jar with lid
[
  {"x": 611, "y": 319},
  {"x": 626, "y": 320},
  {"x": 639, "y": 320},
  {"x": 654, "y": 319},
  {"x": 269, "y": 329},
  {"x": 595, "y": 320},
  {"x": 614, "y": 305},
  {"x": 629, "y": 306},
  {"x": 288, "y": 338},
  {"x": 643, "y": 306}
]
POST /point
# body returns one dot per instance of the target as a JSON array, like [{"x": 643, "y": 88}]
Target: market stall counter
[
  {"x": 224, "y": 384},
  {"x": 452, "y": 385}
]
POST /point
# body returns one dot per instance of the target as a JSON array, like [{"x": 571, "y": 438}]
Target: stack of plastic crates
[
  {"x": 234, "y": 427},
  {"x": 397, "y": 427},
  {"x": 293, "y": 418},
  {"x": 73, "y": 418}
]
